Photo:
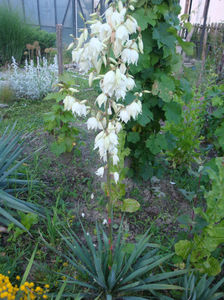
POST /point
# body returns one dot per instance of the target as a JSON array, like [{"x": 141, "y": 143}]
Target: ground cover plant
[{"x": 103, "y": 235}]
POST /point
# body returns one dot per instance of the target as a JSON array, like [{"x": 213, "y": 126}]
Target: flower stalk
[{"x": 106, "y": 57}]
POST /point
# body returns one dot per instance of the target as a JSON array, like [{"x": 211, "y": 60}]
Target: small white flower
[
  {"x": 134, "y": 109},
  {"x": 96, "y": 27},
  {"x": 105, "y": 32},
  {"x": 122, "y": 33},
  {"x": 124, "y": 115},
  {"x": 83, "y": 215},
  {"x": 115, "y": 159},
  {"x": 109, "y": 83},
  {"x": 130, "y": 83},
  {"x": 116, "y": 177},
  {"x": 171, "y": 182},
  {"x": 100, "y": 172},
  {"x": 94, "y": 124},
  {"x": 116, "y": 19},
  {"x": 68, "y": 102},
  {"x": 129, "y": 56},
  {"x": 87, "y": 233},
  {"x": 131, "y": 25},
  {"x": 104, "y": 221},
  {"x": 79, "y": 109},
  {"x": 95, "y": 46},
  {"x": 101, "y": 99}
]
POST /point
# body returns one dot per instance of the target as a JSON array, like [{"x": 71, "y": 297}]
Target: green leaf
[
  {"x": 173, "y": 112},
  {"x": 163, "y": 37},
  {"x": 130, "y": 205},
  {"x": 164, "y": 87},
  {"x": 183, "y": 248},
  {"x": 133, "y": 137},
  {"x": 141, "y": 17}
]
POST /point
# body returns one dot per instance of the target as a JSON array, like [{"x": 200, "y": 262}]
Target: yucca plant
[
  {"x": 130, "y": 275},
  {"x": 203, "y": 289},
  {"x": 11, "y": 181}
]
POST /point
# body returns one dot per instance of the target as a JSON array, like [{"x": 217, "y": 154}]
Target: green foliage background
[{"x": 156, "y": 72}]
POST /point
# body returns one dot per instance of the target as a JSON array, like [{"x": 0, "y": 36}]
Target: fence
[{"x": 47, "y": 13}]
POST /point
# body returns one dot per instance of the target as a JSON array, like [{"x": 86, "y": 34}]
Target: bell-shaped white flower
[
  {"x": 93, "y": 123},
  {"x": 122, "y": 33},
  {"x": 96, "y": 27},
  {"x": 116, "y": 19},
  {"x": 116, "y": 177},
  {"x": 130, "y": 83},
  {"x": 134, "y": 108},
  {"x": 129, "y": 56},
  {"x": 108, "y": 83},
  {"x": 115, "y": 159},
  {"x": 101, "y": 99},
  {"x": 105, "y": 32},
  {"x": 100, "y": 172},
  {"x": 95, "y": 46},
  {"x": 131, "y": 25},
  {"x": 79, "y": 109},
  {"x": 68, "y": 102},
  {"x": 124, "y": 115}
]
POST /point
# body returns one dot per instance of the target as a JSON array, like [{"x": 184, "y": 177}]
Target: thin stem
[{"x": 110, "y": 201}]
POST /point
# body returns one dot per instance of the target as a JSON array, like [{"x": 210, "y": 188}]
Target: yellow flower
[
  {"x": 17, "y": 277},
  {"x": 47, "y": 286}
]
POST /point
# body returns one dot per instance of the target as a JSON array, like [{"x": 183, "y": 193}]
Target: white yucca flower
[
  {"x": 116, "y": 19},
  {"x": 94, "y": 48},
  {"x": 105, "y": 32},
  {"x": 131, "y": 24},
  {"x": 93, "y": 123},
  {"x": 129, "y": 56},
  {"x": 122, "y": 33},
  {"x": 68, "y": 102},
  {"x": 134, "y": 109},
  {"x": 130, "y": 83},
  {"x": 100, "y": 172},
  {"x": 101, "y": 99},
  {"x": 124, "y": 115},
  {"x": 96, "y": 27},
  {"x": 116, "y": 177},
  {"x": 79, "y": 109}
]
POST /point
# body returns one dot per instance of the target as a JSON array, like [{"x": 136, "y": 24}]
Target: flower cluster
[
  {"x": 25, "y": 291},
  {"x": 106, "y": 55},
  {"x": 33, "y": 82}
]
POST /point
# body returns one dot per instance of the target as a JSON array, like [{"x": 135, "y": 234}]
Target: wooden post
[
  {"x": 205, "y": 15},
  {"x": 59, "y": 48}
]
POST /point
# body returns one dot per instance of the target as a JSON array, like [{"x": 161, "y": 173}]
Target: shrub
[
  {"x": 208, "y": 227},
  {"x": 187, "y": 133},
  {"x": 58, "y": 122},
  {"x": 33, "y": 82},
  {"x": 45, "y": 39},
  {"x": 14, "y": 35},
  {"x": 156, "y": 72}
]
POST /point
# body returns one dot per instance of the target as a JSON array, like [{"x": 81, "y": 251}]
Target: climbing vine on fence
[{"x": 156, "y": 71}]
